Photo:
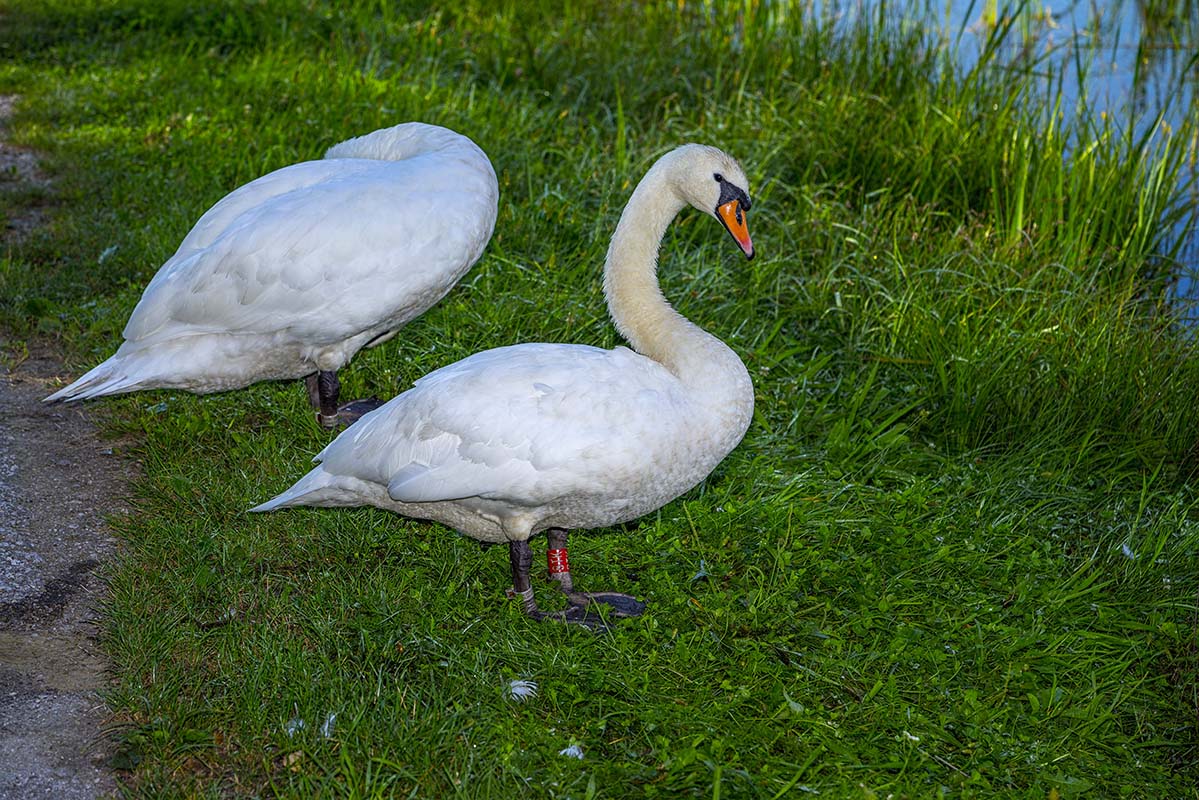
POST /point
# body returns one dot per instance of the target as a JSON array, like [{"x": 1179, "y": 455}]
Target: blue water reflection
[{"x": 1134, "y": 63}]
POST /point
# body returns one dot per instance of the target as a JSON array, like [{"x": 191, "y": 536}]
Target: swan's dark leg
[
  {"x": 323, "y": 390},
  {"x": 312, "y": 384},
  {"x": 328, "y": 387},
  {"x": 521, "y": 557},
  {"x": 622, "y": 605},
  {"x": 556, "y": 561}
]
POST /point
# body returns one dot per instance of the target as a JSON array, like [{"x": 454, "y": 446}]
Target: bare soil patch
[
  {"x": 19, "y": 172},
  {"x": 58, "y": 482}
]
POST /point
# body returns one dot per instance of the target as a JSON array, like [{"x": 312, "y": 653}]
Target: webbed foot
[
  {"x": 621, "y": 605},
  {"x": 351, "y": 412},
  {"x": 323, "y": 391},
  {"x": 576, "y": 615},
  {"x": 586, "y": 608}
]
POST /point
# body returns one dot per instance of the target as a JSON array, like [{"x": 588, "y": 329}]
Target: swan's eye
[{"x": 719, "y": 178}]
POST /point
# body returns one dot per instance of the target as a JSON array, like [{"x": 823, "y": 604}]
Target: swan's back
[
  {"x": 299, "y": 269},
  {"x": 323, "y": 250}
]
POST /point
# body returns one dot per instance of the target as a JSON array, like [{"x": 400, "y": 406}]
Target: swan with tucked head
[
  {"x": 293, "y": 273},
  {"x": 518, "y": 440}
]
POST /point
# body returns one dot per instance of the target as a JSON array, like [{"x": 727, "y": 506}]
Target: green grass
[{"x": 955, "y": 554}]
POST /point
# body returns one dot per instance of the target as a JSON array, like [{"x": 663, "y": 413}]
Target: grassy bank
[{"x": 954, "y": 555}]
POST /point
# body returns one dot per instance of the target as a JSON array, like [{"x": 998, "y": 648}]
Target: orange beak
[{"x": 734, "y": 220}]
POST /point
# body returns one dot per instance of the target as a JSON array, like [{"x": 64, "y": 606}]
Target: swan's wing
[
  {"x": 326, "y": 251},
  {"x": 239, "y": 208},
  {"x": 522, "y": 424},
  {"x": 294, "y": 177}
]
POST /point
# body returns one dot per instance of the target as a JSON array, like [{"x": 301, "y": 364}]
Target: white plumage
[
  {"x": 510, "y": 441},
  {"x": 296, "y": 271},
  {"x": 521, "y": 439},
  {"x": 514, "y": 440}
]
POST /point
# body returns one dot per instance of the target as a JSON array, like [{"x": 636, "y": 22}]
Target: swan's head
[{"x": 713, "y": 181}]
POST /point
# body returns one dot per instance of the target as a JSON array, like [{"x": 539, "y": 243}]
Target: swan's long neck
[{"x": 635, "y": 299}]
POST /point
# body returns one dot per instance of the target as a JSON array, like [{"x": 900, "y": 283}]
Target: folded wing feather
[
  {"x": 523, "y": 424},
  {"x": 250, "y": 263}
]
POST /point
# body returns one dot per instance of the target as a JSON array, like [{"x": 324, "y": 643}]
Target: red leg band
[{"x": 555, "y": 558}]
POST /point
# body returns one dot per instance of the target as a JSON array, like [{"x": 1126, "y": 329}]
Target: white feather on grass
[{"x": 520, "y": 690}]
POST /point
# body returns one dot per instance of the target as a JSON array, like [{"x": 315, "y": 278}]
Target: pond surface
[{"x": 1133, "y": 61}]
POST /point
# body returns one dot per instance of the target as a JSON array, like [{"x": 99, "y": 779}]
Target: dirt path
[
  {"x": 58, "y": 481},
  {"x": 18, "y": 170}
]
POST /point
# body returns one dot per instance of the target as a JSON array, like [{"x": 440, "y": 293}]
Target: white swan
[
  {"x": 293, "y": 273},
  {"x": 517, "y": 440}
]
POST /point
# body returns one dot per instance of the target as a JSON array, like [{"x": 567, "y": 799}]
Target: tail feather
[
  {"x": 311, "y": 490},
  {"x": 105, "y": 378}
]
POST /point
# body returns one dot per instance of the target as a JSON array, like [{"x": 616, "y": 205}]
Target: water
[{"x": 1135, "y": 63}]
